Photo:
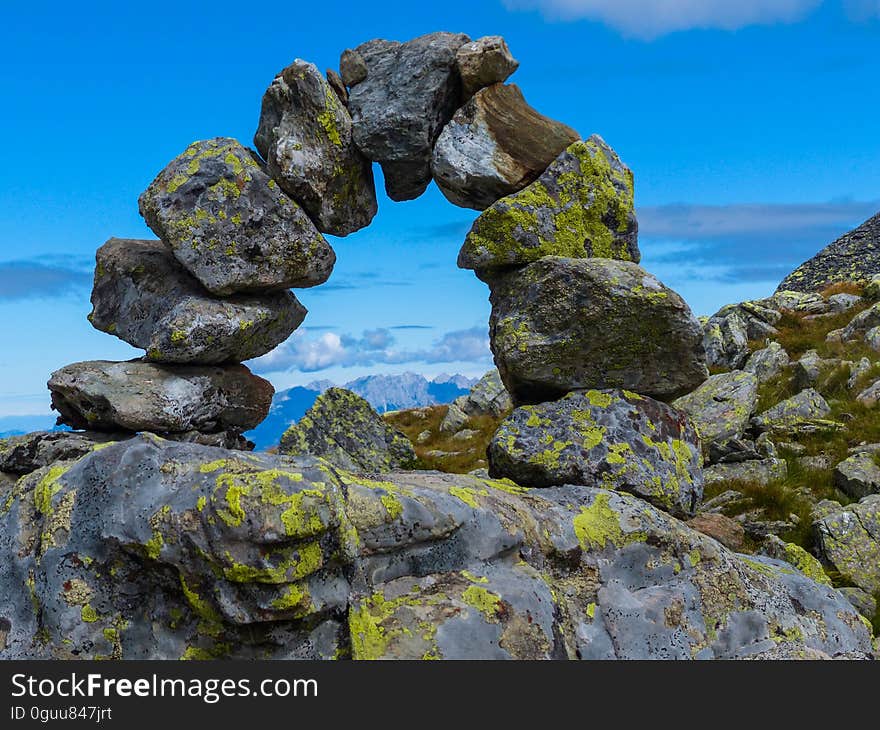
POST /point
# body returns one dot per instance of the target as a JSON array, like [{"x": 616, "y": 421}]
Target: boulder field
[{"x": 152, "y": 530}]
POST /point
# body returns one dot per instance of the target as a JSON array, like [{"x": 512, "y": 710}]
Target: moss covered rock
[
  {"x": 563, "y": 324},
  {"x": 343, "y": 428},
  {"x": 722, "y": 406},
  {"x": 615, "y": 439},
  {"x": 197, "y": 552},
  {"x": 143, "y": 296},
  {"x": 848, "y": 539},
  {"x": 305, "y": 136},
  {"x": 580, "y": 207},
  {"x": 807, "y": 408},
  {"x": 231, "y": 225}
]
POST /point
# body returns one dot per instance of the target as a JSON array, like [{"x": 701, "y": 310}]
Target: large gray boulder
[
  {"x": 231, "y": 225},
  {"x": 721, "y": 407},
  {"x": 305, "y": 136},
  {"x": 858, "y": 476},
  {"x": 848, "y": 539},
  {"x": 495, "y": 145},
  {"x": 229, "y": 555},
  {"x": 580, "y": 207},
  {"x": 141, "y": 396},
  {"x": 614, "y": 439},
  {"x": 484, "y": 62},
  {"x": 344, "y": 429},
  {"x": 488, "y": 397},
  {"x": 401, "y": 96},
  {"x": 563, "y": 324},
  {"x": 143, "y": 296}
]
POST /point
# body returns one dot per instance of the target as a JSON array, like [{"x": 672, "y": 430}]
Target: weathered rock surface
[
  {"x": 727, "y": 531},
  {"x": 141, "y": 396},
  {"x": 731, "y": 451},
  {"x": 726, "y": 341},
  {"x": 484, "y": 62},
  {"x": 760, "y": 472},
  {"x": 795, "y": 555},
  {"x": 32, "y": 451},
  {"x": 858, "y": 476},
  {"x": 615, "y": 439},
  {"x": 344, "y": 429},
  {"x": 230, "y": 224},
  {"x": 230, "y": 555},
  {"x": 803, "y": 408},
  {"x": 767, "y": 362},
  {"x": 488, "y": 397},
  {"x": 870, "y": 395},
  {"x": 145, "y": 297},
  {"x": 564, "y": 324},
  {"x": 401, "y": 96},
  {"x": 854, "y": 257},
  {"x": 495, "y": 145},
  {"x": 861, "y": 324},
  {"x": 721, "y": 407},
  {"x": 305, "y": 136},
  {"x": 848, "y": 539},
  {"x": 580, "y": 207}
]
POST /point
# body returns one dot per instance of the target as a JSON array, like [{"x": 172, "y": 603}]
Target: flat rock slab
[
  {"x": 142, "y": 396},
  {"x": 401, "y": 97},
  {"x": 580, "y": 207},
  {"x": 563, "y": 324},
  {"x": 305, "y": 136},
  {"x": 143, "y": 296},
  {"x": 231, "y": 225},
  {"x": 615, "y": 439},
  {"x": 344, "y": 429},
  {"x": 495, "y": 145}
]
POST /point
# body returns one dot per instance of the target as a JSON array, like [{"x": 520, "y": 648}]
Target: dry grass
[{"x": 460, "y": 456}]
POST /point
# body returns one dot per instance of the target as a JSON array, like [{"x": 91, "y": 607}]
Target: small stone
[
  {"x": 727, "y": 531},
  {"x": 872, "y": 338},
  {"x": 803, "y": 407},
  {"x": 768, "y": 362},
  {"x": 484, "y": 62},
  {"x": 488, "y": 397},
  {"x": 870, "y": 395},
  {"x": 230, "y": 224},
  {"x": 731, "y": 451},
  {"x": 336, "y": 83},
  {"x": 858, "y": 476},
  {"x": 29, "y": 452},
  {"x": 352, "y": 68},
  {"x": 760, "y": 472},
  {"x": 721, "y": 407},
  {"x": 726, "y": 341}
]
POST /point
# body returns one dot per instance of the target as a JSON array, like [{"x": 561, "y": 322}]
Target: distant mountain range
[{"x": 383, "y": 392}]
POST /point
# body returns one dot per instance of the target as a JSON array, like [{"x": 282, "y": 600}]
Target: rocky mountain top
[{"x": 631, "y": 503}]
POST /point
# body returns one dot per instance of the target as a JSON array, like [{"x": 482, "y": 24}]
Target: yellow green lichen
[
  {"x": 468, "y": 495},
  {"x": 484, "y": 601},
  {"x": 598, "y": 525},
  {"x": 89, "y": 614}
]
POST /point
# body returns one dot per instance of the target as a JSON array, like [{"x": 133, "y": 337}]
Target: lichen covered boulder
[
  {"x": 608, "y": 438},
  {"x": 767, "y": 362},
  {"x": 721, "y": 407},
  {"x": 197, "y": 552},
  {"x": 143, "y": 296},
  {"x": 305, "y": 136},
  {"x": 401, "y": 96},
  {"x": 858, "y": 476},
  {"x": 848, "y": 539},
  {"x": 563, "y": 324},
  {"x": 726, "y": 341},
  {"x": 495, "y": 145},
  {"x": 231, "y": 225},
  {"x": 580, "y": 207},
  {"x": 807, "y": 408},
  {"x": 344, "y": 429},
  {"x": 141, "y": 396}
]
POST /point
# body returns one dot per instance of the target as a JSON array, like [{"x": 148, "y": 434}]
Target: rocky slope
[{"x": 153, "y": 532}]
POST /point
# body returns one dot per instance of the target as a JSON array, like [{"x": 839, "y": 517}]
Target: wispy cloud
[
  {"x": 307, "y": 353},
  {"x": 648, "y": 19},
  {"x": 35, "y": 279},
  {"x": 741, "y": 243}
]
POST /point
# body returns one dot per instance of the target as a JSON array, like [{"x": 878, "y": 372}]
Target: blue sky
[{"x": 751, "y": 128}]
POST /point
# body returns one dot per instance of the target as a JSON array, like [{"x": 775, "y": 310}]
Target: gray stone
[
  {"x": 352, "y": 67},
  {"x": 806, "y": 406},
  {"x": 230, "y": 555},
  {"x": 872, "y": 338},
  {"x": 484, "y": 62},
  {"x": 861, "y": 324},
  {"x": 843, "y": 302},
  {"x": 29, "y": 452},
  {"x": 807, "y": 369},
  {"x": 580, "y": 207},
  {"x": 863, "y": 602},
  {"x": 721, "y": 407},
  {"x": 305, "y": 136},
  {"x": 230, "y": 224},
  {"x": 858, "y": 476},
  {"x": 409, "y": 93},
  {"x": 870, "y": 395},
  {"x": 857, "y": 370},
  {"x": 760, "y": 472},
  {"x": 495, "y": 145},
  {"x": 726, "y": 341},
  {"x": 768, "y": 362},
  {"x": 616, "y": 439},
  {"x": 143, "y": 296},
  {"x": 344, "y": 429},
  {"x": 488, "y": 397},
  {"x": 142, "y": 396},
  {"x": 338, "y": 86},
  {"x": 731, "y": 451},
  {"x": 848, "y": 539},
  {"x": 564, "y": 324},
  {"x": 759, "y": 317}
]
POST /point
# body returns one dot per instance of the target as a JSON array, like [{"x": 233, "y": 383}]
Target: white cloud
[
  {"x": 649, "y": 19},
  {"x": 307, "y": 353}
]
